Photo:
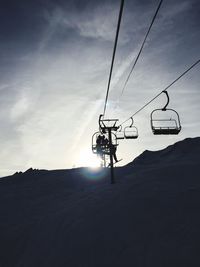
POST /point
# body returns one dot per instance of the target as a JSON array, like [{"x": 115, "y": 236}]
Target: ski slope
[{"x": 150, "y": 217}]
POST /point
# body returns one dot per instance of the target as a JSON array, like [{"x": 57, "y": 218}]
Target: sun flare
[{"x": 88, "y": 159}]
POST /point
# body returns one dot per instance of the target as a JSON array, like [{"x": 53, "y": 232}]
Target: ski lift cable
[
  {"x": 186, "y": 71},
  {"x": 113, "y": 56},
  {"x": 142, "y": 46}
]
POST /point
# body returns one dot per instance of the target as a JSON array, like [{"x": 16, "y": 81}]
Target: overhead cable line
[
  {"x": 186, "y": 71},
  {"x": 113, "y": 56},
  {"x": 142, "y": 46}
]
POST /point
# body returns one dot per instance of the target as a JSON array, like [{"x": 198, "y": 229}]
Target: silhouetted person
[
  {"x": 98, "y": 144},
  {"x": 113, "y": 150},
  {"x": 104, "y": 141},
  {"x": 98, "y": 140}
]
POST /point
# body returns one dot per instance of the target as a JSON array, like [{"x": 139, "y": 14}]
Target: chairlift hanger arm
[
  {"x": 120, "y": 128},
  {"x": 167, "y": 95},
  {"x": 132, "y": 121}
]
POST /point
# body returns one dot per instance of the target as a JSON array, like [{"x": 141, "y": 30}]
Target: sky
[{"x": 55, "y": 59}]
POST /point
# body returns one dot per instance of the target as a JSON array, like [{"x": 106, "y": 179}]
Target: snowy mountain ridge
[
  {"x": 76, "y": 218},
  {"x": 185, "y": 151}
]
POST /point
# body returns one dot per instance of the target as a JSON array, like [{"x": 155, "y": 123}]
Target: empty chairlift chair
[
  {"x": 165, "y": 121},
  {"x": 120, "y": 134},
  {"x": 131, "y": 132}
]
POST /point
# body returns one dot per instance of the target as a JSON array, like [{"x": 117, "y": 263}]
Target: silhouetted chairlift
[
  {"x": 165, "y": 121},
  {"x": 131, "y": 132},
  {"x": 105, "y": 126}
]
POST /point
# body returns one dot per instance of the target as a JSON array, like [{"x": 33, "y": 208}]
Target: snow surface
[{"x": 150, "y": 217}]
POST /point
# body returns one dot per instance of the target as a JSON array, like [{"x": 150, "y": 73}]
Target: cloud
[{"x": 97, "y": 22}]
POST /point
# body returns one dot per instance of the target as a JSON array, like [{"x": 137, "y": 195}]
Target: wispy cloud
[{"x": 98, "y": 23}]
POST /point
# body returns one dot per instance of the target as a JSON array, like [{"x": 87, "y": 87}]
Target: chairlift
[
  {"x": 131, "y": 132},
  {"x": 165, "y": 121},
  {"x": 120, "y": 134}
]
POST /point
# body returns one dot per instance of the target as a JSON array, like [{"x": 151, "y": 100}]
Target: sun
[{"x": 87, "y": 159}]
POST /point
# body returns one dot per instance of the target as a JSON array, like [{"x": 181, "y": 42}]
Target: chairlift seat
[
  {"x": 131, "y": 137},
  {"x": 120, "y": 135},
  {"x": 165, "y": 131}
]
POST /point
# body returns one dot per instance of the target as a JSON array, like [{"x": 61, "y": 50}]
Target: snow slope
[{"x": 150, "y": 217}]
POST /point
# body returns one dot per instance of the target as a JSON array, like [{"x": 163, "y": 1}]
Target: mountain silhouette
[
  {"x": 150, "y": 217},
  {"x": 183, "y": 151}
]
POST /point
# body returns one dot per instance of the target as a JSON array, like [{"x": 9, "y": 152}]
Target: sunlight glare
[{"x": 88, "y": 159}]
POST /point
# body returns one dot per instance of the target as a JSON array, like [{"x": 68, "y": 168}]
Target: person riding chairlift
[
  {"x": 103, "y": 142},
  {"x": 99, "y": 144},
  {"x": 113, "y": 150}
]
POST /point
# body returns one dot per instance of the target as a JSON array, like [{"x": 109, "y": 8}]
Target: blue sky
[{"x": 55, "y": 60}]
